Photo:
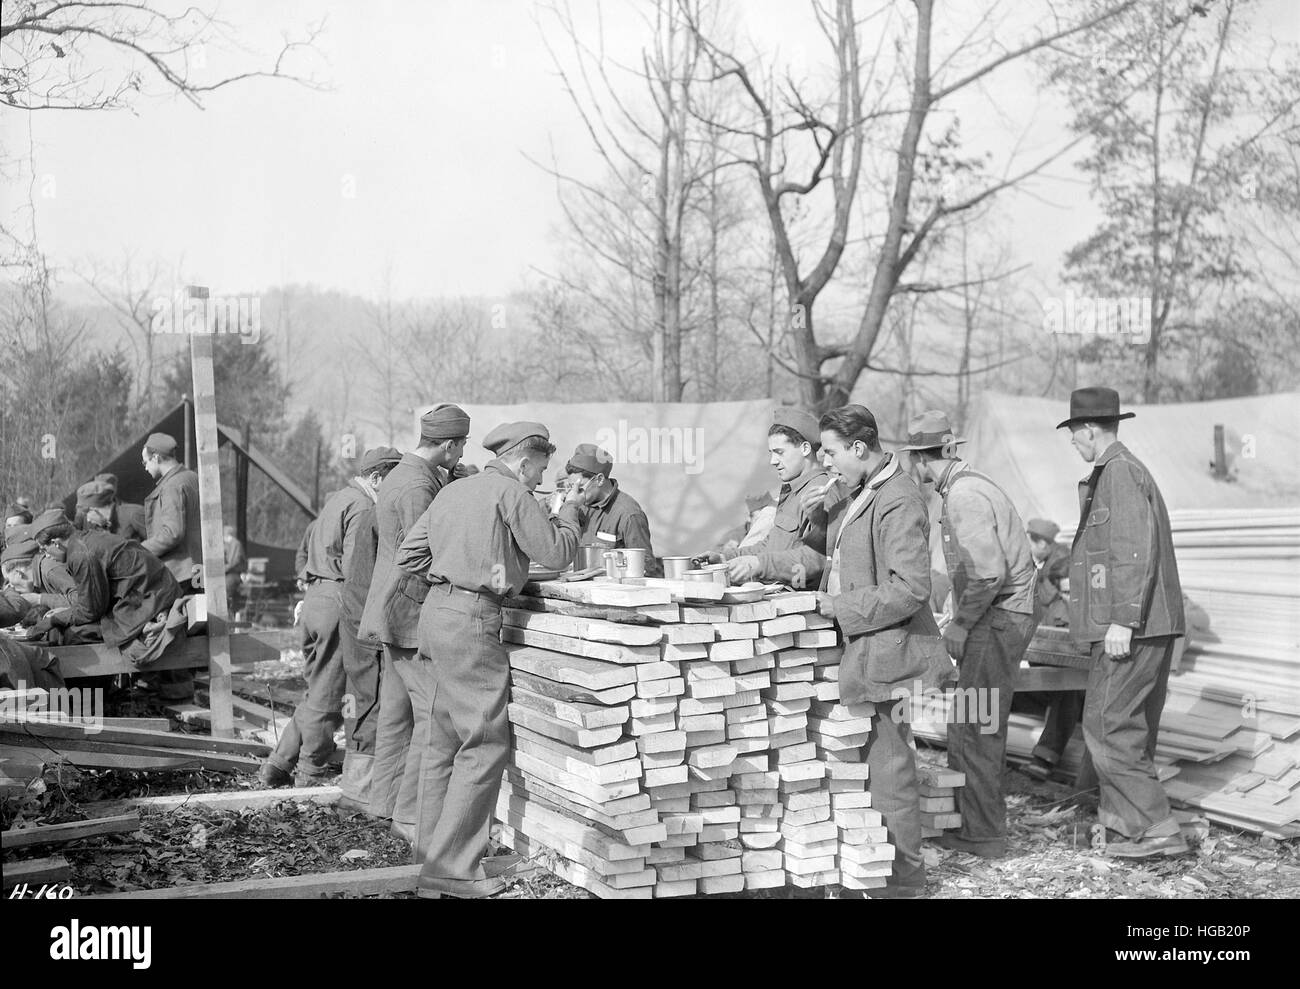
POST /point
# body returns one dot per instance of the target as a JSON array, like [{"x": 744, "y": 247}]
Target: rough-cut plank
[
  {"x": 794, "y": 603},
  {"x": 358, "y": 882},
  {"x": 583, "y": 738},
  {"x": 239, "y": 800},
  {"x": 602, "y": 755},
  {"x": 569, "y": 783},
  {"x": 603, "y": 651},
  {"x": 599, "y": 593},
  {"x": 571, "y": 872},
  {"x": 34, "y": 872},
  {"x": 581, "y": 715},
  {"x": 589, "y": 673},
  {"x": 626, "y": 616},
  {"x": 57, "y": 834},
  {"x": 572, "y": 694},
  {"x": 110, "y": 756},
  {"x": 592, "y": 629},
  {"x": 604, "y": 774},
  {"x": 136, "y": 736}
]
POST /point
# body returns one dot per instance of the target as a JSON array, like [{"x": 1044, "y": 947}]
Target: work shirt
[
  {"x": 984, "y": 546},
  {"x": 392, "y": 609},
  {"x": 331, "y": 536},
  {"x": 139, "y": 587},
  {"x": 794, "y": 550},
  {"x": 1051, "y": 606},
  {"x": 88, "y": 600},
  {"x": 361, "y": 569},
  {"x": 171, "y": 514},
  {"x": 128, "y": 521},
  {"x": 1122, "y": 565},
  {"x": 618, "y": 515},
  {"x": 52, "y": 581},
  {"x": 481, "y": 533}
]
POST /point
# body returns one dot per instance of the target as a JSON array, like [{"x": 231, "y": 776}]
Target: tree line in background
[{"x": 812, "y": 230}]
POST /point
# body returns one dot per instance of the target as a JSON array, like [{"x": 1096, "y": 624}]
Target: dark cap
[
  {"x": 803, "y": 423},
  {"x": 444, "y": 422},
  {"x": 161, "y": 443},
  {"x": 95, "y": 494},
  {"x": 49, "y": 519},
  {"x": 1091, "y": 404},
  {"x": 590, "y": 459},
  {"x": 109, "y": 479},
  {"x": 1043, "y": 529},
  {"x": 17, "y": 511},
  {"x": 19, "y": 545},
  {"x": 510, "y": 434},
  {"x": 377, "y": 457}
]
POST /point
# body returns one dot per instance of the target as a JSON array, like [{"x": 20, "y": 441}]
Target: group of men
[
  {"x": 112, "y": 573},
  {"x": 407, "y": 569}
]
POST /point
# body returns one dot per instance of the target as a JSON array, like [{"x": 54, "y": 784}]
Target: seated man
[
  {"x": 614, "y": 518},
  {"x": 125, "y": 519},
  {"x": 129, "y": 588},
  {"x": 794, "y": 550}
]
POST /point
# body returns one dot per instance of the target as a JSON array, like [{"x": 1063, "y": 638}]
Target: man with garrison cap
[
  {"x": 475, "y": 544},
  {"x": 992, "y": 576},
  {"x": 125, "y": 519},
  {"x": 614, "y": 520},
  {"x": 171, "y": 510},
  {"x": 794, "y": 550},
  {"x": 1126, "y": 603},
  {"x": 308, "y": 740},
  {"x": 391, "y": 619}
]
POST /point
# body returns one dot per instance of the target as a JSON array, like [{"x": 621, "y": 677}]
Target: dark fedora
[{"x": 1091, "y": 404}]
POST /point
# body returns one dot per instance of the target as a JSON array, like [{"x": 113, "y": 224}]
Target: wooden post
[
  {"x": 214, "y": 558},
  {"x": 241, "y": 490},
  {"x": 1220, "y": 464}
]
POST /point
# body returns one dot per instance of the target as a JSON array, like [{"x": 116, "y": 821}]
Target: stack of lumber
[{"x": 670, "y": 748}]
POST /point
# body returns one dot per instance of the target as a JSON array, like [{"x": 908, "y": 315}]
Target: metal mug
[
  {"x": 632, "y": 562},
  {"x": 612, "y": 561},
  {"x": 675, "y": 566},
  {"x": 589, "y": 555}
]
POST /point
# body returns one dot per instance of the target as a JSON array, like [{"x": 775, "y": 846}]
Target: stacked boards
[{"x": 664, "y": 748}]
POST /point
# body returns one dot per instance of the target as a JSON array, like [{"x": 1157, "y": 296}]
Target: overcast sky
[{"x": 414, "y": 160}]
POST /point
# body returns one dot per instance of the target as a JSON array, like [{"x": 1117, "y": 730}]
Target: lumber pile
[{"x": 669, "y": 748}]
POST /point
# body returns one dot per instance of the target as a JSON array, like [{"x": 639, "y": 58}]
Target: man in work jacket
[
  {"x": 876, "y": 587},
  {"x": 391, "y": 619},
  {"x": 1126, "y": 603},
  {"x": 615, "y": 520},
  {"x": 475, "y": 543},
  {"x": 794, "y": 550},
  {"x": 308, "y": 741},
  {"x": 991, "y": 572}
]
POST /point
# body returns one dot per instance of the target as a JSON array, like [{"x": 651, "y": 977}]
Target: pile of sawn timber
[{"x": 663, "y": 748}]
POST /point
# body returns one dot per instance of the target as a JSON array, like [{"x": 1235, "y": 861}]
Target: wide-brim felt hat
[{"x": 1090, "y": 404}]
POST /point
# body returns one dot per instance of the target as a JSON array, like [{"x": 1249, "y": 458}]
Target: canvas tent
[
  {"x": 1012, "y": 439},
  {"x": 689, "y": 465},
  {"x": 134, "y": 484}
]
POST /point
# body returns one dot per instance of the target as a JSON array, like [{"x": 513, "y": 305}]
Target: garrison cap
[
  {"x": 95, "y": 494},
  {"x": 161, "y": 443},
  {"x": 49, "y": 519},
  {"x": 1043, "y": 529},
  {"x": 509, "y": 434},
  {"x": 444, "y": 422},
  {"x": 17, "y": 511},
  {"x": 20, "y": 545},
  {"x": 377, "y": 457},
  {"x": 109, "y": 479},
  {"x": 803, "y": 423},
  {"x": 590, "y": 459}
]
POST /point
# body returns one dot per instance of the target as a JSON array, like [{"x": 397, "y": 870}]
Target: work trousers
[
  {"x": 994, "y": 648},
  {"x": 464, "y": 692},
  {"x": 396, "y": 773},
  {"x": 308, "y": 740},
  {"x": 361, "y": 664},
  {"x": 1121, "y": 722},
  {"x": 177, "y": 685},
  {"x": 1064, "y": 712},
  {"x": 895, "y": 791}
]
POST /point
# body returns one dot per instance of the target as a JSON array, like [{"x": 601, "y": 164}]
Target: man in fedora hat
[
  {"x": 615, "y": 519},
  {"x": 305, "y": 747},
  {"x": 793, "y": 552},
  {"x": 992, "y": 575},
  {"x": 1126, "y": 603}
]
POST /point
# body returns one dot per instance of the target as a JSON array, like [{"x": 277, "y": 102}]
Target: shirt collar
[
  {"x": 608, "y": 500},
  {"x": 804, "y": 479},
  {"x": 498, "y": 466}
]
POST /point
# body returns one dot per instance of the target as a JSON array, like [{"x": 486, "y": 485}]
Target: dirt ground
[{"x": 198, "y": 845}]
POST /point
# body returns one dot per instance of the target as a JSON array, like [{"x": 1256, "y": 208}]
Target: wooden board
[
  {"x": 592, "y": 629},
  {"x": 570, "y": 734},
  {"x": 34, "y": 872},
  {"x": 58, "y": 834},
  {"x": 599, "y": 593},
  {"x": 588, "y": 673},
  {"x": 358, "y": 882},
  {"x": 603, "y": 651},
  {"x": 569, "y": 693},
  {"x": 580, "y": 715},
  {"x": 135, "y": 736}
]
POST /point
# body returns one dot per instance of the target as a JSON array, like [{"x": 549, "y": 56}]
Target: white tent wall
[{"x": 689, "y": 465}]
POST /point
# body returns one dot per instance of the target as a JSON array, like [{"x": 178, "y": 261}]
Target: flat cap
[
  {"x": 49, "y": 519},
  {"x": 803, "y": 423},
  {"x": 444, "y": 422},
  {"x": 1043, "y": 529},
  {"x": 377, "y": 457},
  {"x": 509, "y": 434},
  {"x": 95, "y": 494},
  {"x": 591, "y": 459},
  {"x": 20, "y": 545},
  {"x": 161, "y": 443}
]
